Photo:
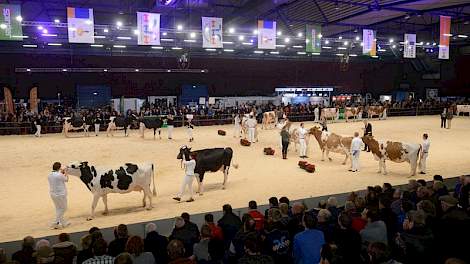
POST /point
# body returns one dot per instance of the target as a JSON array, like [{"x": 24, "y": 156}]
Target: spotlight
[
  {"x": 40, "y": 27},
  {"x": 179, "y": 27},
  {"x": 287, "y": 40},
  {"x": 231, "y": 30},
  {"x": 279, "y": 33},
  {"x": 56, "y": 20},
  {"x": 105, "y": 30},
  {"x": 427, "y": 43},
  {"x": 255, "y": 32},
  {"x": 136, "y": 32},
  {"x": 320, "y": 35},
  {"x": 340, "y": 37},
  {"x": 394, "y": 46},
  {"x": 3, "y": 26},
  {"x": 241, "y": 37},
  {"x": 357, "y": 38},
  {"x": 119, "y": 23},
  {"x": 390, "y": 40},
  {"x": 345, "y": 43},
  {"x": 327, "y": 42},
  {"x": 299, "y": 34},
  {"x": 88, "y": 22},
  {"x": 192, "y": 35},
  {"x": 19, "y": 18},
  {"x": 44, "y": 31}
]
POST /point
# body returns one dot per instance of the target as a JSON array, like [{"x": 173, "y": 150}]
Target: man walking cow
[
  {"x": 424, "y": 154},
  {"x": 302, "y": 141},
  {"x": 189, "y": 165},
  {"x": 57, "y": 179},
  {"x": 355, "y": 151}
]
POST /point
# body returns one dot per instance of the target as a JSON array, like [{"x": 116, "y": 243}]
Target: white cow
[
  {"x": 463, "y": 109},
  {"x": 330, "y": 113},
  {"x": 75, "y": 124},
  {"x": 394, "y": 151},
  {"x": 123, "y": 179}
]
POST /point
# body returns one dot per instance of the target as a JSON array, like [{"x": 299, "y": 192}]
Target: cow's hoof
[
  {"x": 344, "y": 163},
  {"x": 105, "y": 213},
  {"x": 201, "y": 194},
  {"x": 223, "y": 187},
  {"x": 148, "y": 208},
  {"x": 330, "y": 159}
]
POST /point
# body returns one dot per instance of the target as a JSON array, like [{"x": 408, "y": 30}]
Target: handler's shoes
[
  {"x": 422, "y": 172},
  {"x": 177, "y": 199},
  {"x": 190, "y": 200}
]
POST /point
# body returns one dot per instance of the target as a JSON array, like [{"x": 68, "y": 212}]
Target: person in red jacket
[
  {"x": 256, "y": 215},
  {"x": 216, "y": 231}
]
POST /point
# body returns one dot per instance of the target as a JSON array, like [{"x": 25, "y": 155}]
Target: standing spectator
[
  {"x": 230, "y": 224},
  {"x": 247, "y": 229},
  {"x": 443, "y": 118},
  {"x": 256, "y": 215},
  {"x": 118, "y": 245},
  {"x": 347, "y": 240},
  {"x": 201, "y": 249},
  {"x": 273, "y": 203},
  {"x": 307, "y": 244},
  {"x": 375, "y": 230},
  {"x": 184, "y": 233},
  {"x": 44, "y": 253},
  {"x": 277, "y": 241},
  {"x": 170, "y": 124},
  {"x": 251, "y": 124},
  {"x": 253, "y": 252},
  {"x": 64, "y": 251},
  {"x": 449, "y": 117},
  {"x": 316, "y": 113},
  {"x": 464, "y": 197},
  {"x": 388, "y": 216},
  {"x": 177, "y": 254},
  {"x": 135, "y": 247},
  {"x": 424, "y": 154},
  {"x": 86, "y": 252},
  {"x": 58, "y": 192},
  {"x": 99, "y": 253},
  {"x": 216, "y": 231},
  {"x": 25, "y": 255},
  {"x": 155, "y": 243},
  {"x": 37, "y": 124},
  {"x": 190, "y": 225}
]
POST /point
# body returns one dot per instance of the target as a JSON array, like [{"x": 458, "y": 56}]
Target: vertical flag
[
  {"x": 444, "y": 41},
  {"x": 313, "y": 38},
  {"x": 81, "y": 27},
  {"x": 266, "y": 34},
  {"x": 148, "y": 25},
  {"x": 12, "y": 30},
  {"x": 212, "y": 32},
  {"x": 369, "y": 40},
  {"x": 410, "y": 46},
  {"x": 8, "y": 100},
  {"x": 33, "y": 100}
]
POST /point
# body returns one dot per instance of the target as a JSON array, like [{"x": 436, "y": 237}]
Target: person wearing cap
[
  {"x": 424, "y": 154},
  {"x": 451, "y": 210}
]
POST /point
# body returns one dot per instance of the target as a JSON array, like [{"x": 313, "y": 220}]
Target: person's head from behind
[
  {"x": 123, "y": 258},
  {"x": 100, "y": 247},
  {"x": 249, "y": 223},
  {"x": 344, "y": 220},
  {"x": 386, "y": 186},
  {"x": 331, "y": 202},
  {"x": 397, "y": 194},
  {"x": 414, "y": 219},
  {"x": 185, "y": 216},
  {"x": 28, "y": 242},
  {"x": 447, "y": 202},
  {"x": 356, "y": 134},
  {"x": 309, "y": 221},
  {"x": 93, "y": 229},
  {"x": 63, "y": 237},
  {"x": 252, "y": 205},
  {"x": 135, "y": 245},
  {"x": 372, "y": 215},
  {"x": 56, "y": 166},
  {"x": 206, "y": 232},
  {"x": 227, "y": 209},
  {"x": 150, "y": 227},
  {"x": 438, "y": 177},
  {"x": 284, "y": 208},
  {"x": 323, "y": 216},
  {"x": 378, "y": 253},
  {"x": 121, "y": 231},
  {"x": 273, "y": 202},
  {"x": 284, "y": 199},
  {"x": 175, "y": 249},
  {"x": 86, "y": 242},
  {"x": 209, "y": 218},
  {"x": 454, "y": 261}
]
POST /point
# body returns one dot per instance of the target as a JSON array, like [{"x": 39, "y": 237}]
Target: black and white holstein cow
[
  {"x": 150, "y": 122},
  {"x": 119, "y": 122},
  {"x": 209, "y": 160},
  {"x": 126, "y": 178},
  {"x": 76, "y": 123}
]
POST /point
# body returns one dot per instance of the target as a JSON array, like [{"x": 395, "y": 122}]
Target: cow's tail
[{"x": 154, "y": 192}]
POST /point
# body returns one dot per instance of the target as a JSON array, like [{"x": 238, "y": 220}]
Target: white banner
[
  {"x": 369, "y": 46},
  {"x": 81, "y": 28},
  {"x": 410, "y": 46},
  {"x": 148, "y": 25},
  {"x": 212, "y": 32},
  {"x": 266, "y": 34}
]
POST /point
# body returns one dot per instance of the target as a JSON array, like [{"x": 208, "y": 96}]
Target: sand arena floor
[{"x": 25, "y": 162}]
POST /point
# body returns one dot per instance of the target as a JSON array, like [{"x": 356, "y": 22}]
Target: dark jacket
[
  {"x": 156, "y": 243},
  {"x": 256, "y": 259},
  {"x": 84, "y": 255},
  {"x": 348, "y": 243},
  {"x": 187, "y": 235},
  {"x": 418, "y": 245},
  {"x": 230, "y": 224},
  {"x": 24, "y": 256},
  {"x": 64, "y": 252},
  {"x": 117, "y": 246}
]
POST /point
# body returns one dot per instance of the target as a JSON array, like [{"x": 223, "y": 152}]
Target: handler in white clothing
[
  {"x": 303, "y": 144},
  {"x": 189, "y": 165},
  {"x": 251, "y": 124},
  {"x": 57, "y": 179},
  {"x": 356, "y": 145},
  {"x": 424, "y": 154},
  {"x": 316, "y": 112},
  {"x": 237, "y": 126}
]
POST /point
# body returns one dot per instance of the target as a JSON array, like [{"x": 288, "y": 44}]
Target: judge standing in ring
[
  {"x": 367, "y": 132},
  {"x": 285, "y": 137}
]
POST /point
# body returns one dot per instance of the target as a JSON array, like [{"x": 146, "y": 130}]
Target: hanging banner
[
  {"x": 266, "y": 34},
  {"x": 81, "y": 28},
  {"x": 8, "y": 100},
  {"x": 12, "y": 30},
  {"x": 212, "y": 32},
  {"x": 148, "y": 25},
  {"x": 33, "y": 100},
  {"x": 369, "y": 40},
  {"x": 313, "y": 38},
  {"x": 444, "y": 41},
  {"x": 410, "y": 46}
]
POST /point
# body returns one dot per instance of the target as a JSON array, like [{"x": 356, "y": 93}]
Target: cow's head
[
  {"x": 82, "y": 170},
  {"x": 184, "y": 151}
]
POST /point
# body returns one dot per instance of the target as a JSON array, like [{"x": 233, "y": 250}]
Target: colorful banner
[
  {"x": 148, "y": 25},
  {"x": 410, "y": 46},
  {"x": 369, "y": 40},
  {"x": 13, "y": 30},
  {"x": 266, "y": 34},
  {"x": 313, "y": 38},
  {"x": 10, "y": 108},
  {"x": 444, "y": 42},
  {"x": 81, "y": 26},
  {"x": 212, "y": 32},
  {"x": 33, "y": 100}
]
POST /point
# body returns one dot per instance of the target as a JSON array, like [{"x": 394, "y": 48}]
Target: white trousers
[
  {"x": 38, "y": 131},
  {"x": 317, "y": 118},
  {"x": 422, "y": 162},
  {"x": 170, "y": 132},
  {"x": 355, "y": 160},
  {"x": 236, "y": 130},
  {"x": 97, "y": 129},
  {"x": 251, "y": 134},
  {"x": 303, "y": 147},
  {"x": 60, "y": 203},
  {"x": 190, "y": 133},
  {"x": 187, "y": 182}
]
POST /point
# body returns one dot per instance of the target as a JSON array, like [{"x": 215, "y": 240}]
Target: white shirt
[
  {"x": 251, "y": 123},
  {"x": 189, "y": 165},
  {"x": 302, "y": 133},
  {"x": 356, "y": 144},
  {"x": 426, "y": 144},
  {"x": 237, "y": 120},
  {"x": 315, "y": 111},
  {"x": 57, "y": 183}
]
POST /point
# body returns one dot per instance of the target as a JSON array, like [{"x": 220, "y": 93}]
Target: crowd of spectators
[{"x": 422, "y": 223}]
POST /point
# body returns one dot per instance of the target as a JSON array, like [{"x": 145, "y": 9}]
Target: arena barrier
[
  {"x": 16, "y": 128},
  {"x": 165, "y": 226}
]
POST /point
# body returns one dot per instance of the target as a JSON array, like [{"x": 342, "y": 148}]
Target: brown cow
[
  {"x": 329, "y": 141},
  {"x": 378, "y": 111},
  {"x": 269, "y": 118},
  {"x": 394, "y": 151},
  {"x": 354, "y": 112}
]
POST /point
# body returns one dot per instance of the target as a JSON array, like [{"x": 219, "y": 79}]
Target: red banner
[
  {"x": 10, "y": 108},
  {"x": 444, "y": 40},
  {"x": 33, "y": 100}
]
